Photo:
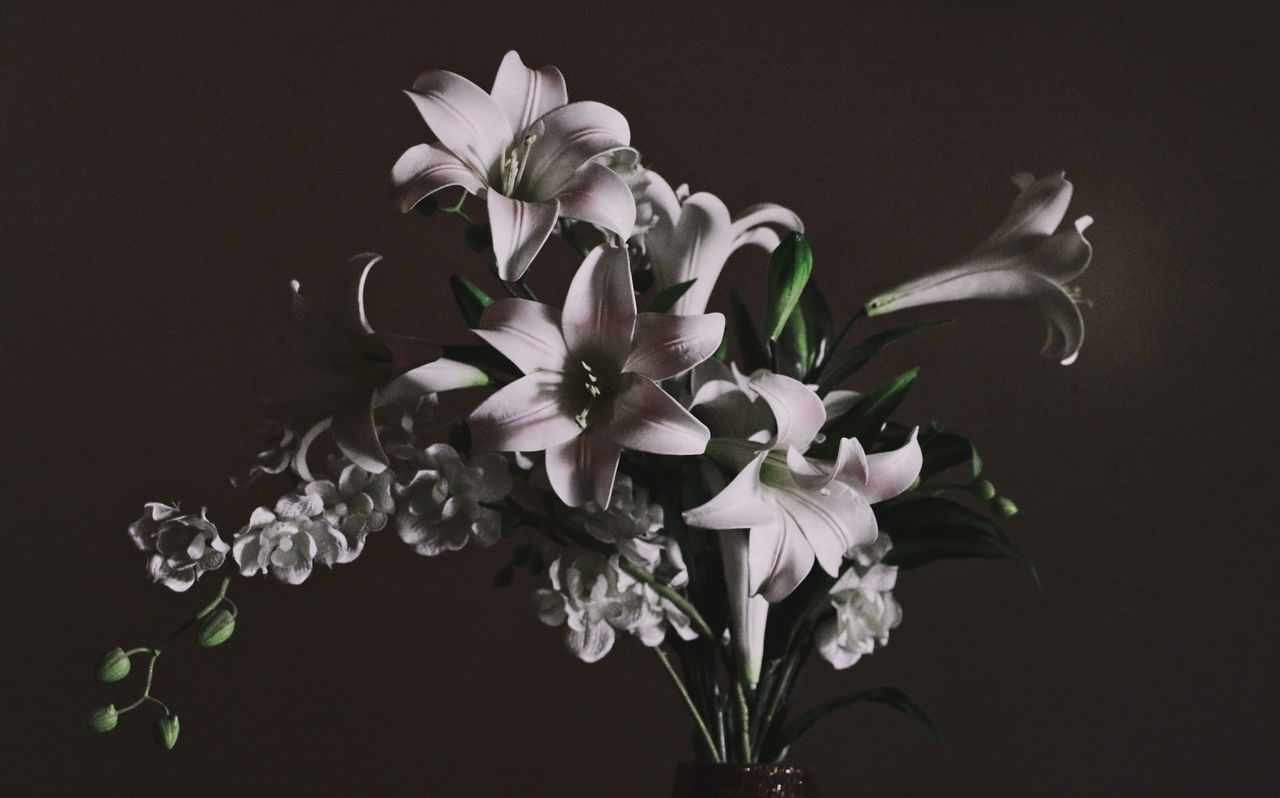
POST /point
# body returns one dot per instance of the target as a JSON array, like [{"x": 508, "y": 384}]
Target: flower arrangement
[{"x": 711, "y": 486}]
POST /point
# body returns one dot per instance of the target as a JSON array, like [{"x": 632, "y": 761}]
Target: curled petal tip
[{"x": 1082, "y": 223}]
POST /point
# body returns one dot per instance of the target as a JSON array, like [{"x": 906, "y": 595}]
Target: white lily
[
  {"x": 524, "y": 148},
  {"x": 1025, "y": 260},
  {"x": 691, "y": 237},
  {"x": 590, "y": 388}
]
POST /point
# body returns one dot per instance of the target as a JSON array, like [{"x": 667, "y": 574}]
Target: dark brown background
[{"x": 168, "y": 167}]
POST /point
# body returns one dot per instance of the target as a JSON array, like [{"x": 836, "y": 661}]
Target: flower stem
[
  {"x": 688, "y": 702},
  {"x": 744, "y": 722},
  {"x": 666, "y": 592},
  {"x": 571, "y": 236}
]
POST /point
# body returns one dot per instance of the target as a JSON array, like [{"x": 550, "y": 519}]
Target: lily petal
[
  {"x": 526, "y": 332},
  {"x": 464, "y": 117},
  {"x": 742, "y": 504},
  {"x": 891, "y": 473},
  {"x": 438, "y": 375},
  {"x": 583, "y": 469},
  {"x": 519, "y": 230},
  {"x": 779, "y": 559},
  {"x": 748, "y": 613},
  {"x": 354, "y": 433},
  {"x": 595, "y": 194},
  {"x": 665, "y": 345},
  {"x": 344, "y": 300},
  {"x": 425, "y": 169},
  {"x": 525, "y": 94},
  {"x": 1037, "y": 210},
  {"x": 1063, "y": 256},
  {"x": 600, "y": 306},
  {"x": 645, "y": 418},
  {"x": 823, "y": 520},
  {"x": 797, "y": 409},
  {"x": 762, "y": 214},
  {"x": 697, "y": 249},
  {"x": 570, "y": 136},
  {"x": 525, "y": 416}
]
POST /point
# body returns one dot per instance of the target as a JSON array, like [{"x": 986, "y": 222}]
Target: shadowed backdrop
[{"x": 170, "y": 167}]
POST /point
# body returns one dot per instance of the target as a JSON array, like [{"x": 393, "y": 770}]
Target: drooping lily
[
  {"x": 795, "y": 509},
  {"x": 525, "y": 149},
  {"x": 691, "y": 237},
  {"x": 340, "y": 369},
  {"x": 591, "y": 385},
  {"x": 1025, "y": 260}
]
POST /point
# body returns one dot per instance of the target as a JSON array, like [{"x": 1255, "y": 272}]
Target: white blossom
[
  {"x": 287, "y": 540},
  {"x": 182, "y": 545},
  {"x": 865, "y": 607},
  {"x": 357, "y": 504},
  {"x": 595, "y": 598},
  {"x": 441, "y": 505}
]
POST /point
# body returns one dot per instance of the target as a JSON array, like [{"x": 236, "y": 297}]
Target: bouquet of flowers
[{"x": 724, "y": 490}]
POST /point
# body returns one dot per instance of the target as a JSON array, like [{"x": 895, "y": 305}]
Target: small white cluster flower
[
  {"x": 287, "y": 540},
  {"x": 441, "y": 504},
  {"x": 865, "y": 607},
  {"x": 633, "y": 525},
  {"x": 357, "y": 504},
  {"x": 182, "y": 545},
  {"x": 595, "y": 598},
  {"x": 398, "y": 425}
]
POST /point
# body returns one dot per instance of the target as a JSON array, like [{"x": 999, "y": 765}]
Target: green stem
[
  {"x": 688, "y": 702},
  {"x": 781, "y": 687},
  {"x": 671, "y": 595},
  {"x": 744, "y": 722},
  {"x": 456, "y": 209},
  {"x": 571, "y": 236}
]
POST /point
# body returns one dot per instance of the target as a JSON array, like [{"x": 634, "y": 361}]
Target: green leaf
[
  {"x": 481, "y": 356},
  {"x": 864, "y": 420},
  {"x": 789, "y": 268},
  {"x": 862, "y": 352},
  {"x": 749, "y": 349},
  {"x": 471, "y": 300},
  {"x": 791, "y": 350},
  {"x": 945, "y": 450},
  {"x": 889, "y": 696},
  {"x": 932, "y": 529},
  {"x": 662, "y": 301}
]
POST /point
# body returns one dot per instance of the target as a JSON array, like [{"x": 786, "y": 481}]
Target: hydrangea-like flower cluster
[
  {"x": 633, "y": 525},
  {"x": 595, "y": 599},
  {"x": 442, "y": 502},
  {"x": 865, "y": 607},
  {"x": 287, "y": 540},
  {"x": 357, "y": 504},
  {"x": 182, "y": 545}
]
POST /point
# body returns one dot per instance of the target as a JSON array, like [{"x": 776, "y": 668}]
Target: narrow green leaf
[
  {"x": 947, "y": 450},
  {"x": 789, "y": 268},
  {"x": 662, "y": 301},
  {"x": 750, "y": 351},
  {"x": 863, "y": 351},
  {"x": 935, "y": 528},
  {"x": 481, "y": 356},
  {"x": 864, "y": 420},
  {"x": 889, "y": 696},
  {"x": 471, "y": 300}
]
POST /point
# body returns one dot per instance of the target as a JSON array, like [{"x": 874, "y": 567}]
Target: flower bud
[
  {"x": 216, "y": 629},
  {"x": 166, "y": 732},
  {"x": 113, "y": 666},
  {"x": 983, "y": 489},
  {"x": 1004, "y": 507},
  {"x": 104, "y": 719}
]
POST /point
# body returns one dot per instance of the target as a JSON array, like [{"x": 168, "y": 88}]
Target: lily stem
[
  {"x": 688, "y": 702},
  {"x": 744, "y": 722}
]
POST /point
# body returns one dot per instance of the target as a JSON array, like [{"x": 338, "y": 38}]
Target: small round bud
[
  {"x": 1004, "y": 507},
  {"x": 113, "y": 666},
  {"x": 165, "y": 732},
  {"x": 104, "y": 719},
  {"x": 983, "y": 489},
  {"x": 216, "y": 629}
]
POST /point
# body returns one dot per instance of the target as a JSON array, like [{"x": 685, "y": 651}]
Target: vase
[{"x": 713, "y": 780}]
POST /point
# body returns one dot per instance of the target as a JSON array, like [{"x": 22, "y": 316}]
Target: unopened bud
[
  {"x": 113, "y": 666},
  {"x": 104, "y": 719},
  {"x": 1004, "y": 507},
  {"x": 165, "y": 732},
  {"x": 216, "y": 629},
  {"x": 983, "y": 489}
]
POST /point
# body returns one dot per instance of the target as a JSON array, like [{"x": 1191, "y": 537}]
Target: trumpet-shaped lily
[
  {"x": 341, "y": 369},
  {"x": 592, "y": 370},
  {"x": 524, "y": 148},
  {"x": 1025, "y": 260},
  {"x": 691, "y": 237}
]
